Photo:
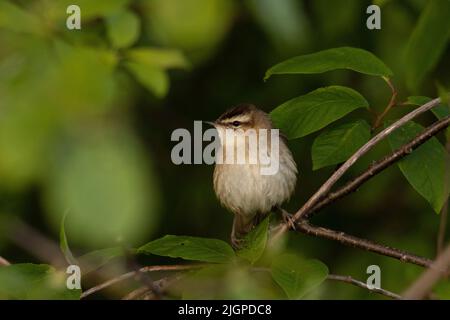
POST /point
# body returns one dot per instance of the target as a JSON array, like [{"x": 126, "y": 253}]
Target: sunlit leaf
[
  {"x": 255, "y": 242},
  {"x": 197, "y": 35},
  {"x": 297, "y": 276},
  {"x": 103, "y": 179},
  {"x": 13, "y": 17},
  {"x": 123, "y": 28},
  {"x": 425, "y": 167},
  {"x": 308, "y": 113},
  {"x": 157, "y": 57},
  {"x": 428, "y": 41},
  {"x": 153, "y": 78},
  {"x": 337, "y": 144},
  {"x": 98, "y": 8},
  {"x": 190, "y": 248},
  {"x": 338, "y": 58},
  {"x": 34, "y": 281}
]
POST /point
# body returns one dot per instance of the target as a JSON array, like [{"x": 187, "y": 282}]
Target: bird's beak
[{"x": 210, "y": 123}]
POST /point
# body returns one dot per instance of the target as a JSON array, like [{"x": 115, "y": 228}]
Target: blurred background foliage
[{"x": 86, "y": 117}]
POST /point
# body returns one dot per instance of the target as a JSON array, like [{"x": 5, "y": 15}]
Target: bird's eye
[{"x": 236, "y": 123}]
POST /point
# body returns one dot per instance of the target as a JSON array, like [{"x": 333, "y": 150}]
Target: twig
[
  {"x": 4, "y": 262},
  {"x": 380, "y": 165},
  {"x": 367, "y": 245},
  {"x": 135, "y": 294},
  {"x": 326, "y": 187},
  {"x": 390, "y": 105},
  {"x": 421, "y": 288},
  {"x": 350, "y": 280},
  {"x": 131, "y": 274},
  {"x": 346, "y": 279},
  {"x": 145, "y": 293},
  {"x": 32, "y": 241}
]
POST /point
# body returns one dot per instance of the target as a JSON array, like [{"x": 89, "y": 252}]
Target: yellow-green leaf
[
  {"x": 123, "y": 28},
  {"x": 154, "y": 79},
  {"x": 297, "y": 276},
  {"x": 255, "y": 242}
]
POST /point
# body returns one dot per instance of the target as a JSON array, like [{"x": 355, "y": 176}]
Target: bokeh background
[{"x": 86, "y": 118}]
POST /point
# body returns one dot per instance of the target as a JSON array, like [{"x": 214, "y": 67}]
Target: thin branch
[
  {"x": 391, "y": 104},
  {"x": 34, "y": 242},
  {"x": 135, "y": 294},
  {"x": 380, "y": 165},
  {"x": 326, "y": 187},
  {"x": 350, "y": 280},
  {"x": 131, "y": 274},
  {"x": 147, "y": 294},
  {"x": 438, "y": 269},
  {"x": 4, "y": 262},
  {"x": 367, "y": 245}
]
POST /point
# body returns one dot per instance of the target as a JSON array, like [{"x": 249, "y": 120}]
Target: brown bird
[{"x": 240, "y": 186}]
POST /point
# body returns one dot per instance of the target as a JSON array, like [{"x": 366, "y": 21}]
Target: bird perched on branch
[{"x": 242, "y": 186}]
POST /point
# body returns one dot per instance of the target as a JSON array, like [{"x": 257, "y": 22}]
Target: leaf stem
[{"x": 391, "y": 104}]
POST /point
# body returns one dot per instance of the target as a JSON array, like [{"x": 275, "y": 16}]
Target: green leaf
[
  {"x": 154, "y": 79},
  {"x": 255, "y": 242},
  {"x": 63, "y": 243},
  {"x": 338, "y": 58},
  {"x": 425, "y": 167},
  {"x": 93, "y": 9},
  {"x": 98, "y": 258},
  {"x": 123, "y": 28},
  {"x": 190, "y": 248},
  {"x": 14, "y": 18},
  {"x": 440, "y": 111},
  {"x": 336, "y": 145},
  {"x": 106, "y": 182},
  {"x": 308, "y": 113},
  {"x": 297, "y": 276},
  {"x": 159, "y": 58},
  {"x": 428, "y": 41},
  {"x": 34, "y": 281},
  {"x": 442, "y": 289},
  {"x": 283, "y": 21}
]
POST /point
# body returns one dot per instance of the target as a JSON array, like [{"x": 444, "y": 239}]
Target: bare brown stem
[
  {"x": 364, "y": 244},
  {"x": 380, "y": 165},
  {"x": 132, "y": 274},
  {"x": 350, "y": 280},
  {"x": 438, "y": 269},
  {"x": 4, "y": 262},
  {"x": 391, "y": 104},
  {"x": 326, "y": 187}
]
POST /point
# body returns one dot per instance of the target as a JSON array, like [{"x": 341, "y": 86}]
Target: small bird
[{"x": 240, "y": 186}]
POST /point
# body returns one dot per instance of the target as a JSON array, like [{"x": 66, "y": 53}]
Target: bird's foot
[
  {"x": 288, "y": 219},
  {"x": 237, "y": 243}
]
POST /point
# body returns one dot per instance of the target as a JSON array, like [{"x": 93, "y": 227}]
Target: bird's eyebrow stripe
[{"x": 237, "y": 111}]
